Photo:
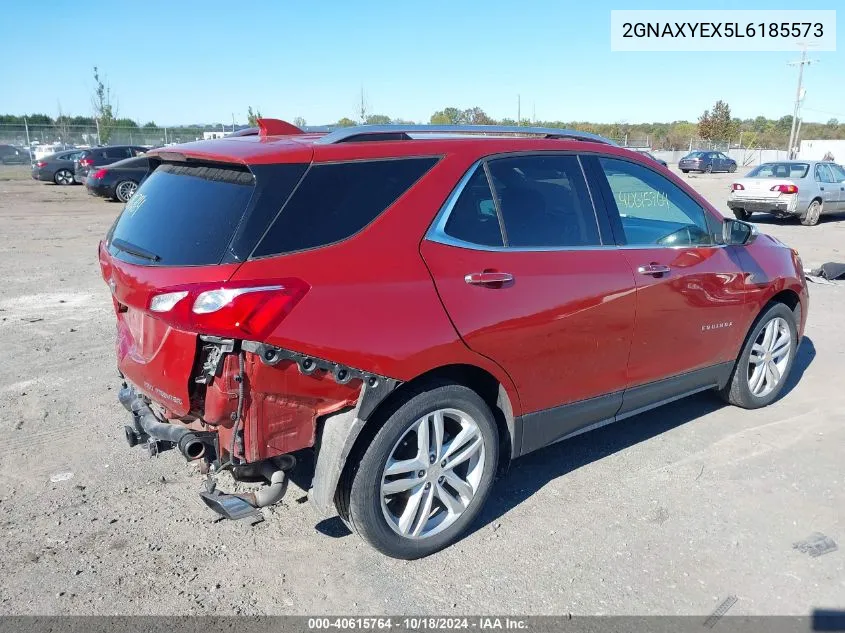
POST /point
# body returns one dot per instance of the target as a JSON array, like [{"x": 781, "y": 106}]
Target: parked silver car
[{"x": 791, "y": 188}]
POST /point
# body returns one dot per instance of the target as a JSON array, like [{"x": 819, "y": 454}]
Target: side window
[
  {"x": 838, "y": 172},
  {"x": 473, "y": 218},
  {"x": 336, "y": 200},
  {"x": 654, "y": 210},
  {"x": 544, "y": 202},
  {"x": 823, "y": 173}
]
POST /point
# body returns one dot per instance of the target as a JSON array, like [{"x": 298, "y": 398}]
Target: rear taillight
[
  {"x": 41, "y": 163},
  {"x": 235, "y": 310},
  {"x": 737, "y": 187},
  {"x": 100, "y": 173},
  {"x": 86, "y": 162},
  {"x": 785, "y": 188}
]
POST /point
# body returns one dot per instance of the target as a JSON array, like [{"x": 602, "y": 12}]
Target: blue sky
[{"x": 185, "y": 61}]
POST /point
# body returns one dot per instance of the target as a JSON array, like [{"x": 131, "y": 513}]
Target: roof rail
[{"x": 404, "y": 132}]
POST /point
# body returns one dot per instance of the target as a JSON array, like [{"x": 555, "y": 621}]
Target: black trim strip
[{"x": 548, "y": 426}]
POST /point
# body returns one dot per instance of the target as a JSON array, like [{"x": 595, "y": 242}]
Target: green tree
[
  {"x": 252, "y": 117},
  {"x": 377, "y": 119},
  {"x": 150, "y": 124},
  {"x": 104, "y": 111},
  {"x": 345, "y": 122},
  {"x": 717, "y": 124},
  {"x": 475, "y": 116},
  {"x": 447, "y": 116}
]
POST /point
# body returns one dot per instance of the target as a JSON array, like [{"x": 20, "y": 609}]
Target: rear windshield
[
  {"x": 779, "y": 170},
  {"x": 183, "y": 215},
  {"x": 695, "y": 155}
]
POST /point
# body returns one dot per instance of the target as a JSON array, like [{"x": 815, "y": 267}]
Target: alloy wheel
[
  {"x": 432, "y": 473},
  {"x": 769, "y": 357},
  {"x": 125, "y": 190},
  {"x": 64, "y": 177}
]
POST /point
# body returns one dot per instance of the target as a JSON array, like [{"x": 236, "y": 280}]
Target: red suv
[{"x": 421, "y": 305}]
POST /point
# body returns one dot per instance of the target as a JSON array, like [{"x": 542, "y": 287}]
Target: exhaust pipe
[
  {"x": 147, "y": 423},
  {"x": 245, "y": 505}
]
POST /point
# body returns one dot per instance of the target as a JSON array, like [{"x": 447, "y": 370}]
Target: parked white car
[{"x": 791, "y": 188}]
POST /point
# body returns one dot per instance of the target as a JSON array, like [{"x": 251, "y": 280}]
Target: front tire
[
  {"x": 426, "y": 474},
  {"x": 814, "y": 213},
  {"x": 686, "y": 171},
  {"x": 732, "y": 168},
  {"x": 763, "y": 365}
]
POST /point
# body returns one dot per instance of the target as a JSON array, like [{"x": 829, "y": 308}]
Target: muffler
[{"x": 148, "y": 425}]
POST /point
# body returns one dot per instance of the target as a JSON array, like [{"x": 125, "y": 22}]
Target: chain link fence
[{"x": 22, "y": 135}]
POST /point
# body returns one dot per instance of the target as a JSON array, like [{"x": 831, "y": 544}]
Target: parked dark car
[
  {"x": 57, "y": 168},
  {"x": 648, "y": 154},
  {"x": 11, "y": 155},
  {"x": 100, "y": 156},
  {"x": 706, "y": 162},
  {"x": 119, "y": 180}
]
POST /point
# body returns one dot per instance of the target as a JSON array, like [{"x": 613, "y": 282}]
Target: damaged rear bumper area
[{"x": 252, "y": 406}]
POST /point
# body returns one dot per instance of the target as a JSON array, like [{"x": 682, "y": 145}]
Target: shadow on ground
[
  {"x": 529, "y": 474},
  {"x": 767, "y": 218}
]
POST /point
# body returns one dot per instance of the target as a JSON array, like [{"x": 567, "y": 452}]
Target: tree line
[{"x": 715, "y": 124}]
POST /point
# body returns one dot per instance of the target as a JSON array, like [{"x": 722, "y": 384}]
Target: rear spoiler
[{"x": 269, "y": 127}]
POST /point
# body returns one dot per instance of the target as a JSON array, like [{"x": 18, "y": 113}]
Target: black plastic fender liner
[{"x": 338, "y": 435}]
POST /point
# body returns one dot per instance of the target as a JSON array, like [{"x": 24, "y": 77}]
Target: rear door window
[
  {"x": 473, "y": 218},
  {"x": 544, "y": 202},
  {"x": 336, "y": 200},
  {"x": 823, "y": 173}
]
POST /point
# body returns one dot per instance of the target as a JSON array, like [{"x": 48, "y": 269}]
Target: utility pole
[
  {"x": 518, "y": 110},
  {"x": 28, "y": 144},
  {"x": 793, "y": 132}
]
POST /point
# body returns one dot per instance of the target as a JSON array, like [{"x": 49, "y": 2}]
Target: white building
[
  {"x": 816, "y": 150},
  {"x": 207, "y": 136}
]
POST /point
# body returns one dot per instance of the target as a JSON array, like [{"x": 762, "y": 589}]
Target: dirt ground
[{"x": 669, "y": 512}]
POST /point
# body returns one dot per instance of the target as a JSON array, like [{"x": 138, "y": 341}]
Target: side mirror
[{"x": 737, "y": 232}]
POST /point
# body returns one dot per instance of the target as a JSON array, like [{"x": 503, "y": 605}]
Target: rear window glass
[
  {"x": 335, "y": 201},
  {"x": 779, "y": 170},
  {"x": 183, "y": 215}
]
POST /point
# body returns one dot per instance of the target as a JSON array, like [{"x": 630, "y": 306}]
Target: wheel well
[
  {"x": 791, "y": 300},
  {"x": 475, "y": 378}
]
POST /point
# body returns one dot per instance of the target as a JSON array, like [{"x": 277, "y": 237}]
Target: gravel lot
[{"x": 667, "y": 513}]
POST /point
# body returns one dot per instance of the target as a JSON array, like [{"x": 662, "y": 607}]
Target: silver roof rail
[{"x": 405, "y": 132}]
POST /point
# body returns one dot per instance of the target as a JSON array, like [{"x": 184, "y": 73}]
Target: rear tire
[
  {"x": 742, "y": 214},
  {"x": 708, "y": 169},
  {"x": 125, "y": 189},
  {"x": 814, "y": 212},
  {"x": 63, "y": 177},
  {"x": 686, "y": 171},
  {"x": 440, "y": 500},
  {"x": 770, "y": 348}
]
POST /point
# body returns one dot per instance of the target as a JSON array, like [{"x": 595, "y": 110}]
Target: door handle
[
  {"x": 488, "y": 279},
  {"x": 653, "y": 269}
]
